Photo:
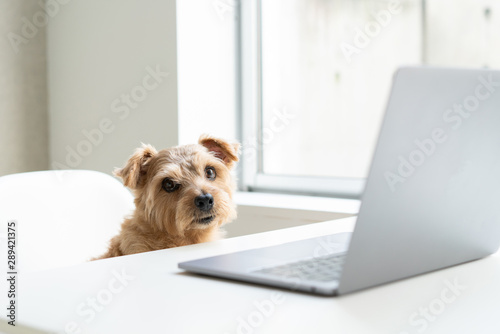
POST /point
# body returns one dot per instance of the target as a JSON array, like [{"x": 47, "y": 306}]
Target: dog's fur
[{"x": 169, "y": 219}]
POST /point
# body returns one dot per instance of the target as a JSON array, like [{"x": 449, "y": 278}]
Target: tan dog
[{"x": 183, "y": 195}]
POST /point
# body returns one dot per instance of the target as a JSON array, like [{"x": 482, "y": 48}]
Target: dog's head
[{"x": 183, "y": 188}]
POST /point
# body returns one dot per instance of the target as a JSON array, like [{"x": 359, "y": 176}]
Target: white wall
[
  {"x": 206, "y": 48},
  {"x": 23, "y": 89},
  {"x": 99, "y": 52}
]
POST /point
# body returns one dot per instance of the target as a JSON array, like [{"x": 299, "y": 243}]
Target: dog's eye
[
  {"x": 210, "y": 173},
  {"x": 169, "y": 186}
]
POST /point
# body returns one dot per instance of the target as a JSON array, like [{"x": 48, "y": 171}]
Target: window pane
[
  {"x": 463, "y": 35},
  {"x": 326, "y": 73}
]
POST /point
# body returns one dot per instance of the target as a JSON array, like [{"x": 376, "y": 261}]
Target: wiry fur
[{"x": 163, "y": 220}]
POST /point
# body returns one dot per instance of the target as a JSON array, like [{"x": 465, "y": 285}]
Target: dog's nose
[{"x": 204, "y": 202}]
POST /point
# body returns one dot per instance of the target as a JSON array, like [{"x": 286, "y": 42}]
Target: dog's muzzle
[{"x": 205, "y": 220}]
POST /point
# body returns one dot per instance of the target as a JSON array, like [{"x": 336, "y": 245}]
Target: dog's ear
[
  {"x": 136, "y": 166},
  {"x": 227, "y": 152}
]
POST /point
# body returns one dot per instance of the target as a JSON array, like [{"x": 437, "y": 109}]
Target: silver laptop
[{"x": 432, "y": 197}]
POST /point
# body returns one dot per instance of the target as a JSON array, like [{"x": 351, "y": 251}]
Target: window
[{"x": 316, "y": 75}]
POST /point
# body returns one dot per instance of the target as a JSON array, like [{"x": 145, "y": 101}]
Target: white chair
[{"x": 62, "y": 217}]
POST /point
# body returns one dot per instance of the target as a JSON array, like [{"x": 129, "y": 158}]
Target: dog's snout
[{"x": 204, "y": 202}]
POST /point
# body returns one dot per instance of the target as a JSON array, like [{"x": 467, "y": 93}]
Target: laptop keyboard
[{"x": 320, "y": 269}]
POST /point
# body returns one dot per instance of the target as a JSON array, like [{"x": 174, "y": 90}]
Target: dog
[{"x": 183, "y": 195}]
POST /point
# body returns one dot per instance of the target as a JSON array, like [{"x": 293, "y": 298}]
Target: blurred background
[
  {"x": 85, "y": 82},
  {"x": 301, "y": 83}
]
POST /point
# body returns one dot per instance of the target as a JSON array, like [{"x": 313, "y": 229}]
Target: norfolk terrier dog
[{"x": 183, "y": 195}]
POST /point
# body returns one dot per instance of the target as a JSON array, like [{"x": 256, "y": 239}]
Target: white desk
[{"x": 162, "y": 299}]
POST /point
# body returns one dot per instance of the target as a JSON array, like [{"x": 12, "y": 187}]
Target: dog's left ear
[{"x": 227, "y": 152}]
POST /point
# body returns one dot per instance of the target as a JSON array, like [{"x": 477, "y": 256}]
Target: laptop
[{"x": 431, "y": 200}]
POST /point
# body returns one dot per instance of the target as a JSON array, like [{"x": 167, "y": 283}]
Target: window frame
[{"x": 251, "y": 175}]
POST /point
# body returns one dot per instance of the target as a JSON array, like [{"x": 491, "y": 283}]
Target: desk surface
[{"x": 147, "y": 293}]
